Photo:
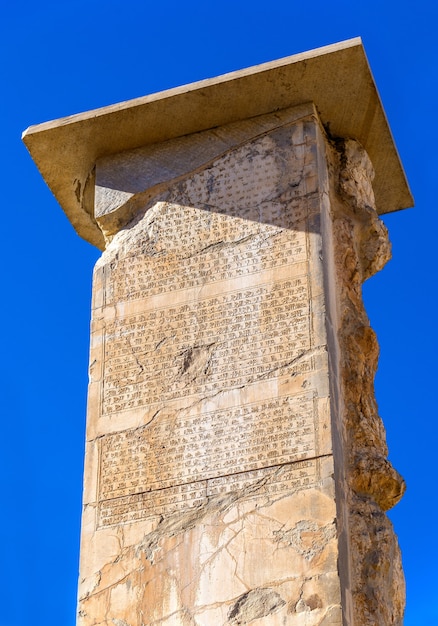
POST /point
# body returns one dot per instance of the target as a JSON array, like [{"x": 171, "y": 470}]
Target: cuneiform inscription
[
  {"x": 225, "y": 341},
  {"x": 273, "y": 481},
  {"x": 263, "y": 173},
  {"x": 209, "y": 246},
  {"x": 206, "y": 294},
  {"x": 176, "y": 450}
]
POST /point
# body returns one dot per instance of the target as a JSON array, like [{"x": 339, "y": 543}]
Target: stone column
[{"x": 236, "y": 467}]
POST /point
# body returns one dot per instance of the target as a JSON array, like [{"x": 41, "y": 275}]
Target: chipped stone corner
[
  {"x": 361, "y": 247},
  {"x": 253, "y": 605}
]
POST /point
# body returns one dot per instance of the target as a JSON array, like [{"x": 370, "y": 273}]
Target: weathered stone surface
[
  {"x": 236, "y": 466},
  {"x": 217, "y": 427},
  {"x": 209, "y": 414},
  {"x": 361, "y": 248}
]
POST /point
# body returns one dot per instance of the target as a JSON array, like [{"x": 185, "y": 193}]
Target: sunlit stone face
[
  {"x": 209, "y": 421},
  {"x": 236, "y": 468}
]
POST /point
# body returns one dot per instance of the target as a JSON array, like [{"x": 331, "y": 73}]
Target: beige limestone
[
  {"x": 209, "y": 412},
  {"x": 236, "y": 467},
  {"x": 337, "y": 78}
]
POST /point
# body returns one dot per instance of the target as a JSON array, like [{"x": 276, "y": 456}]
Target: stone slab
[{"x": 336, "y": 78}]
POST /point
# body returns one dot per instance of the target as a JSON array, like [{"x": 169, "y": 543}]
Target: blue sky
[{"x": 63, "y": 58}]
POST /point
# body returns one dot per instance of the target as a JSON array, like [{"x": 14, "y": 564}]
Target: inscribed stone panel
[{"x": 209, "y": 333}]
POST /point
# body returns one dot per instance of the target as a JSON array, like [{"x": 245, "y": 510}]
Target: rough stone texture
[
  {"x": 361, "y": 248},
  {"x": 236, "y": 466}
]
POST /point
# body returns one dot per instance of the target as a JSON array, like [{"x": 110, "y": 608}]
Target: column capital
[{"x": 336, "y": 78}]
